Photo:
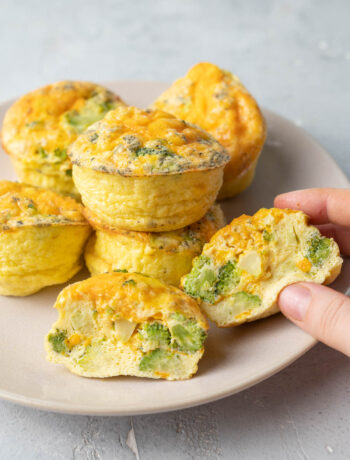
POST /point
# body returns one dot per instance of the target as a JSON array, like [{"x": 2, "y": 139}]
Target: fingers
[
  {"x": 323, "y": 205},
  {"x": 340, "y": 234},
  {"x": 320, "y": 311}
]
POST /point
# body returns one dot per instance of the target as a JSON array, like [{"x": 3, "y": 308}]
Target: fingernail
[{"x": 294, "y": 301}]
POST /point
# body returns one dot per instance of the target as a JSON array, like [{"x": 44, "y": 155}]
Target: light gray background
[{"x": 294, "y": 56}]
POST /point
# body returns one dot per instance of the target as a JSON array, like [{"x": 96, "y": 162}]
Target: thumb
[{"x": 320, "y": 311}]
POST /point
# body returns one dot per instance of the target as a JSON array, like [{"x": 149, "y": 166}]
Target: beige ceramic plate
[{"x": 234, "y": 359}]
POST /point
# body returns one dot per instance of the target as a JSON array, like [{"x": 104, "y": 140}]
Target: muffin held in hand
[
  {"x": 243, "y": 268},
  {"x": 42, "y": 237},
  {"x": 166, "y": 256},
  {"x": 218, "y": 102},
  {"x": 127, "y": 324},
  {"x": 146, "y": 170},
  {"x": 40, "y": 126}
]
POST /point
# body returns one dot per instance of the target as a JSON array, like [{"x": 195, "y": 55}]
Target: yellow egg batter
[
  {"x": 42, "y": 237},
  {"x": 246, "y": 264},
  {"x": 127, "y": 324},
  {"x": 41, "y": 125},
  {"x": 146, "y": 170},
  {"x": 217, "y": 101},
  {"x": 166, "y": 256}
]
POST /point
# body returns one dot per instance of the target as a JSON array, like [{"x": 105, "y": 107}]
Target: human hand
[{"x": 319, "y": 310}]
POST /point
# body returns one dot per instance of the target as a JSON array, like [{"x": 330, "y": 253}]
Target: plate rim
[
  {"x": 71, "y": 408},
  {"x": 65, "y": 408}
]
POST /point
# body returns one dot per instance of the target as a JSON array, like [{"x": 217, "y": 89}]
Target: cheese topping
[
  {"x": 22, "y": 205},
  {"x": 41, "y": 125},
  {"x": 247, "y": 263},
  {"x": 135, "y": 142},
  {"x": 127, "y": 324},
  {"x": 217, "y": 101},
  {"x": 133, "y": 297}
]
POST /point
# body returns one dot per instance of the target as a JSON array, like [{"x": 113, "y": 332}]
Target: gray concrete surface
[{"x": 295, "y": 58}]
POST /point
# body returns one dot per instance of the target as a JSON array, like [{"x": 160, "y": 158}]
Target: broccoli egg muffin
[
  {"x": 127, "y": 324},
  {"x": 166, "y": 256},
  {"x": 41, "y": 125},
  {"x": 243, "y": 268},
  {"x": 217, "y": 101},
  {"x": 147, "y": 171},
  {"x": 42, "y": 237}
]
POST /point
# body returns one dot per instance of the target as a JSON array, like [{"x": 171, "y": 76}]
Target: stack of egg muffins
[{"x": 148, "y": 224}]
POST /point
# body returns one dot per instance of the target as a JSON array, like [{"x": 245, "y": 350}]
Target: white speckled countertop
[{"x": 294, "y": 56}]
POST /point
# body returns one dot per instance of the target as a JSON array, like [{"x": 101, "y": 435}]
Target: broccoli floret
[
  {"x": 120, "y": 270},
  {"x": 267, "y": 235},
  {"x": 200, "y": 282},
  {"x": 106, "y": 106},
  {"x": 178, "y": 316},
  {"x": 161, "y": 150},
  {"x": 187, "y": 335},
  {"x": 89, "y": 361},
  {"x": 204, "y": 284},
  {"x": 130, "y": 282},
  {"x": 32, "y": 206},
  {"x": 156, "y": 333},
  {"x": 190, "y": 235},
  {"x": 228, "y": 277},
  {"x": 33, "y": 124},
  {"x": 95, "y": 109},
  {"x": 57, "y": 341},
  {"x": 319, "y": 250},
  {"x": 61, "y": 154},
  {"x": 244, "y": 300},
  {"x": 160, "y": 360},
  {"x": 93, "y": 138},
  {"x": 42, "y": 152}
]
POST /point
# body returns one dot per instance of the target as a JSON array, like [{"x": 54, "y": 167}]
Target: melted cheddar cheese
[
  {"x": 39, "y": 128},
  {"x": 246, "y": 264},
  {"x": 147, "y": 171},
  {"x": 216, "y": 100},
  {"x": 127, "y": 324},
  {"x": 23, "y": 205},
  {"x": 134, "y": 142}
]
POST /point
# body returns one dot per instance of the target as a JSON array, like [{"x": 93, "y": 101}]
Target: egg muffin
[
  {"x": 147, "y": 171},
  {"x": 127, "y": 324},
  {"x": 41, "y": 125},
  {"x": 246, "y": 264},
  {"x": 166, "y": 256},
  {"x": 42, "y": 237},
  {"x": 217, "y": 101}
]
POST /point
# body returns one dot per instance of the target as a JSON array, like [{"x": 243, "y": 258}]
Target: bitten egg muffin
[
  {"x": 246, "y": 264},
  {"x": 40, "y": 126},
  {"x": 145, "y": 170},
  {"x": 166, "y": 256},
  {"x": 217, "y": 101},
  {"x": 127, "y": 324},
  {"x": 42, "y": 237}
]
